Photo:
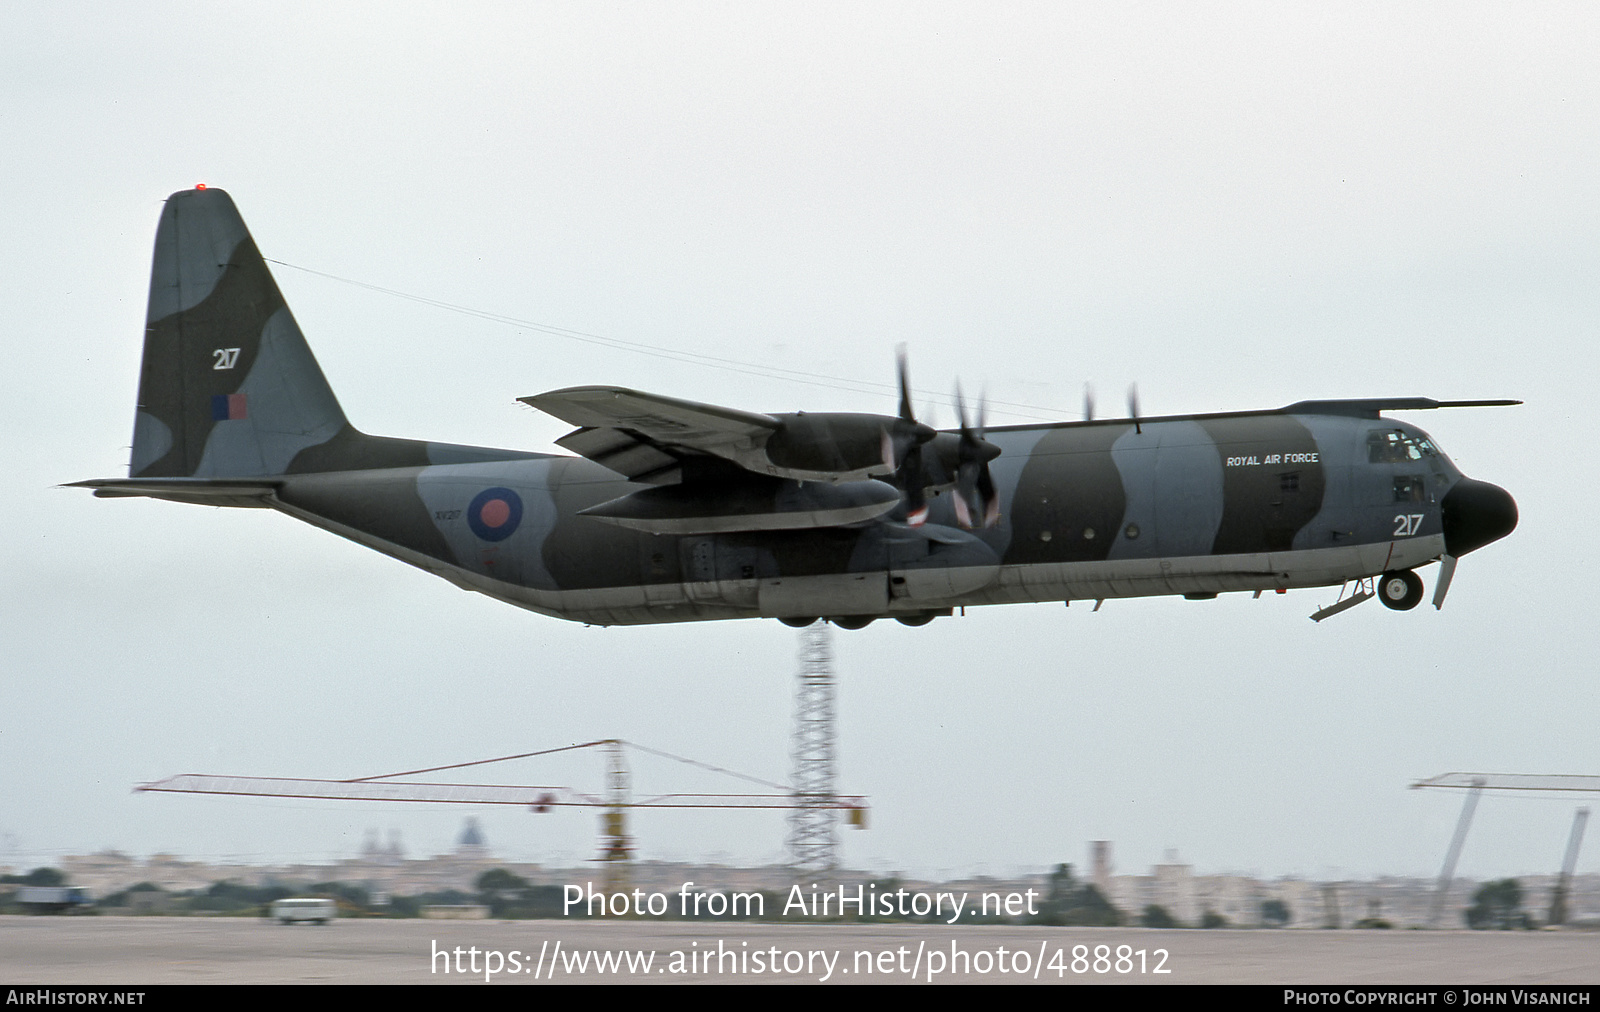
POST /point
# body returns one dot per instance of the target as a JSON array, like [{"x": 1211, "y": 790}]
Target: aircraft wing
[
  {"x": 646, "y": 436},
  {"x": 665, "y": 419}
]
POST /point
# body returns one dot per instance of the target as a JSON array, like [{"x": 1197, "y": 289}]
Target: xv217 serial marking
[{"x": 676, "y": 511}]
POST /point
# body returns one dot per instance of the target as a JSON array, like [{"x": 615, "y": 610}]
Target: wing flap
[{"x": 630, "y": 455}]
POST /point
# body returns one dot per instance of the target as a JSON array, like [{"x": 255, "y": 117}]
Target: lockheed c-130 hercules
[{"x": 677, "y": 511}]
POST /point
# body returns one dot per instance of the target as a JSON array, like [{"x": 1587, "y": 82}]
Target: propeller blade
[
  {"x": 916, "y": 504},
  {"x": 905, "y": 385},
  {"x": 963, "y": 512},
  {"x": 989, "y": 495},
  {"x": 913, "y": 482},
  {"x": 1133, "y": 407},
  {"x": 903, "y": 449},
  {"x": 975, "y": 493},
  {"x": 1088, "y": 403}
]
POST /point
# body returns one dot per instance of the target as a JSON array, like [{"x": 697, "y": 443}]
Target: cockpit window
[{"x": 1396, "y": 446}]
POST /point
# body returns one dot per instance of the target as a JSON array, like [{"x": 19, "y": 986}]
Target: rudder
[{"x": 228, "y": 386}]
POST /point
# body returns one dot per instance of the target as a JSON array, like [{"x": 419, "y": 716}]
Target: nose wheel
[{"x": 1400, "y": 590}]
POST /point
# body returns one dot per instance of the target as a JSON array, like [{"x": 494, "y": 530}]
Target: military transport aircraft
[{"x": 676, "y": 511}]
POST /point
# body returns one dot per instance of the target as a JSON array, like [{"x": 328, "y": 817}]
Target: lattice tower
[{"x": 813, "y": 835}]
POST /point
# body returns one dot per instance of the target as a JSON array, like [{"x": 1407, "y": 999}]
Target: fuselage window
[
  {"x": 1289, "y": 481},
  {"x": 1409, "y": 488}
]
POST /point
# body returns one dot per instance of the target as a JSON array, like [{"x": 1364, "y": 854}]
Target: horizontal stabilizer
[{"x": 200, "y": 491}]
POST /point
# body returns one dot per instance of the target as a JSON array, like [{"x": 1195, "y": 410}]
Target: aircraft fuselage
[{"x": 1099, "y": 510}]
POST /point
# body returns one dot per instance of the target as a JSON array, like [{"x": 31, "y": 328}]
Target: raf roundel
[{"x": 495, "y": 513}]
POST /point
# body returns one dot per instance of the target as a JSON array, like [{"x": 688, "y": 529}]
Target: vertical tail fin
[{"x": 229, "y": 387}]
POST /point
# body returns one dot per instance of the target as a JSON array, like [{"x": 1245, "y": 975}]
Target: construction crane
[
  {"x": 1476, "y": 784},
  {"x": 616, "y": 846}
]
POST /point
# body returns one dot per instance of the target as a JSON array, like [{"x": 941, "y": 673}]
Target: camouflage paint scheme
[{"x": 234, "y": 410}]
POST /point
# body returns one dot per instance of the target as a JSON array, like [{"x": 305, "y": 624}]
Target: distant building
[
  {"x": 1100, "y": 866},
  {"x": 472, "y": 843}
]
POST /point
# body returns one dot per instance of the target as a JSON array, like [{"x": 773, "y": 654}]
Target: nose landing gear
[{"x": 1400, "y": 589}]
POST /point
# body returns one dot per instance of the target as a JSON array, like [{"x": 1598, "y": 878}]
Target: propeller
[
  {"x": 1088, "y": 402},
  {"x": 902, "y": 443},
  {"x": 975, "y": 491},
  {"x": 1133, "y": 407}
]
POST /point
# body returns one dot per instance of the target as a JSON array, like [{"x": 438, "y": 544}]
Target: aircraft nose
[{"x": 1476, "y": 513}]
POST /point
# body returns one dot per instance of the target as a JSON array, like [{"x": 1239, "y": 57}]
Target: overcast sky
[{"x": 1235, "y": 205}]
